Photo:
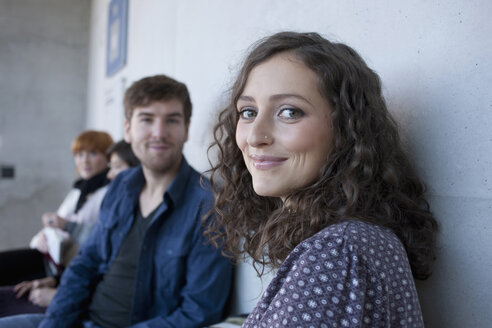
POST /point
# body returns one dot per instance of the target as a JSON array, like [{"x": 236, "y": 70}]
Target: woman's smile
[
  {"x": 264, "y": 162},
  {"x": 284, "y": 127}
]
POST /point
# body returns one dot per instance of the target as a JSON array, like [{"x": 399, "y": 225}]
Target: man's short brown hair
[{"x": 156, "y": 88}]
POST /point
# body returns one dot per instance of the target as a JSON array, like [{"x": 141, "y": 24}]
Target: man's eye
[
  {"x": 247, "y": 114},
  {"x": 291, "y": 113},
  {"x": 145, "y": 118}
]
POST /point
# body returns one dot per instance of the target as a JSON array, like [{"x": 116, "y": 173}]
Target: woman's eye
[
  {"x": 247, "y": 114},
  {"x": 291, "y": 113}
]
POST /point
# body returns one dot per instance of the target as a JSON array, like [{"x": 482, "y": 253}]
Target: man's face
[{"x": 157, "y": 134}]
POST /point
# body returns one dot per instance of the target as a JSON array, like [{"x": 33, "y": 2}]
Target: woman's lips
[{"x": 263, "y": 162}]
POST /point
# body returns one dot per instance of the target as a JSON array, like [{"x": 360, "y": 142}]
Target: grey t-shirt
[
  {"x": 351, "y": 274},
  {"x": 112, "y": 300}
]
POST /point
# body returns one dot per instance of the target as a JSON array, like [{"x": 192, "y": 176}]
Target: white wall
[
  {"x": 151, "y": 50},
  {"x": 434, "y": 58},
  {"x": 43, "y": 80}
]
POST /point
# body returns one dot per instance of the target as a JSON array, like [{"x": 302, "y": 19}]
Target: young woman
[
  {"x": 34, "y": 296},
  {"x": 315, "y": 183}
]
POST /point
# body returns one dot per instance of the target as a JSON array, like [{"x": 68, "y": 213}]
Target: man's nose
[{"x": 159, "y": 129}]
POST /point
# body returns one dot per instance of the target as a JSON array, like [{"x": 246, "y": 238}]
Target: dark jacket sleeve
[
  {"x": 78, "y": 280},
  {"x": 73, "y": 294}
]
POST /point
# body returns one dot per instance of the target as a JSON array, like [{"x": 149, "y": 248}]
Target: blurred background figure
[
  {"x": 33, "y": 296},
  {"x": 89, "y": 152},
  {"x": 121, "y": 157}
]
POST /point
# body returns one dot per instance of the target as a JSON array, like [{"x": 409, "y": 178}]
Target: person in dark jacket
[{"x": 146, "y": 262}]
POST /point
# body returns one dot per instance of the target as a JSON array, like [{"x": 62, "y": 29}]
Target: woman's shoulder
[
  {"x": 68, "y": 204},
  {"x": 350, "y": 237},
  {"x": 99, "y": 193},
  {"x": 354, "y": 232}
]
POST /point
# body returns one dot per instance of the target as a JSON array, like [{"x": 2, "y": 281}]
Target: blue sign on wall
[{"x": 116, "y": 36}]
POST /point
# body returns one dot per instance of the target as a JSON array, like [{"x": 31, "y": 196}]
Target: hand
[
  {"x": 45, "y": 282},
  {"x": 22, "y": 288},
  {"x": 52, "y": 220},
  {"x": 49, "y": 219},
  {"x": 42, "y": 296}
]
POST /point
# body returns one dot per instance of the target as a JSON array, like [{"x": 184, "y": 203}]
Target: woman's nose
[
  {"x": 85, "y": 157},
  {"x": 260, "y": 132}
]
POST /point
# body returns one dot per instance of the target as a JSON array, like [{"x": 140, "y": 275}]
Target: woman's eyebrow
[
  {"x": 288, "y": 95},
  {"x": 276, "y": 97},
  {"x": 246, "y": 98}
]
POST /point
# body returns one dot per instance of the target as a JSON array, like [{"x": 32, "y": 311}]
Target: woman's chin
[
  {"x": 87, "y": 175},
  {"x": 266, "y": 192}
]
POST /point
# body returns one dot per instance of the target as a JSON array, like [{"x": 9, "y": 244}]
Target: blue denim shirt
[{"x": 181, "y": 281}]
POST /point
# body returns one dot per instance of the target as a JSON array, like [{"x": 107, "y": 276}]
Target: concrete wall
[
  {"x": 43, "y": 91},
  {"x": 434, "y": 59}
]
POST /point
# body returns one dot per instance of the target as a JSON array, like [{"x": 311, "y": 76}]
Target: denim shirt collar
[
  {"x": 135, "y": 181},
  {"x": 177, "y": 188}
]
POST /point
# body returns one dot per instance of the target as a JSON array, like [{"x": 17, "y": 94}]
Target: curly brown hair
[{"x": 367, "y": 175}]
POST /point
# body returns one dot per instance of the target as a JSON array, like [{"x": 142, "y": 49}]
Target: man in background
[{"x": 147, "y": 263}]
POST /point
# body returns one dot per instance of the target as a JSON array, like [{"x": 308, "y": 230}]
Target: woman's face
[
  {"x": 284, "y": 129},
  {"x": 89, "y": 163},
  {"x": 116, "y": 166}
]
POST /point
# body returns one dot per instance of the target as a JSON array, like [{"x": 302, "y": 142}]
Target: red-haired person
[
  {"x": 91, "y": 165},
  {"x": 33, "y": 296}
]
